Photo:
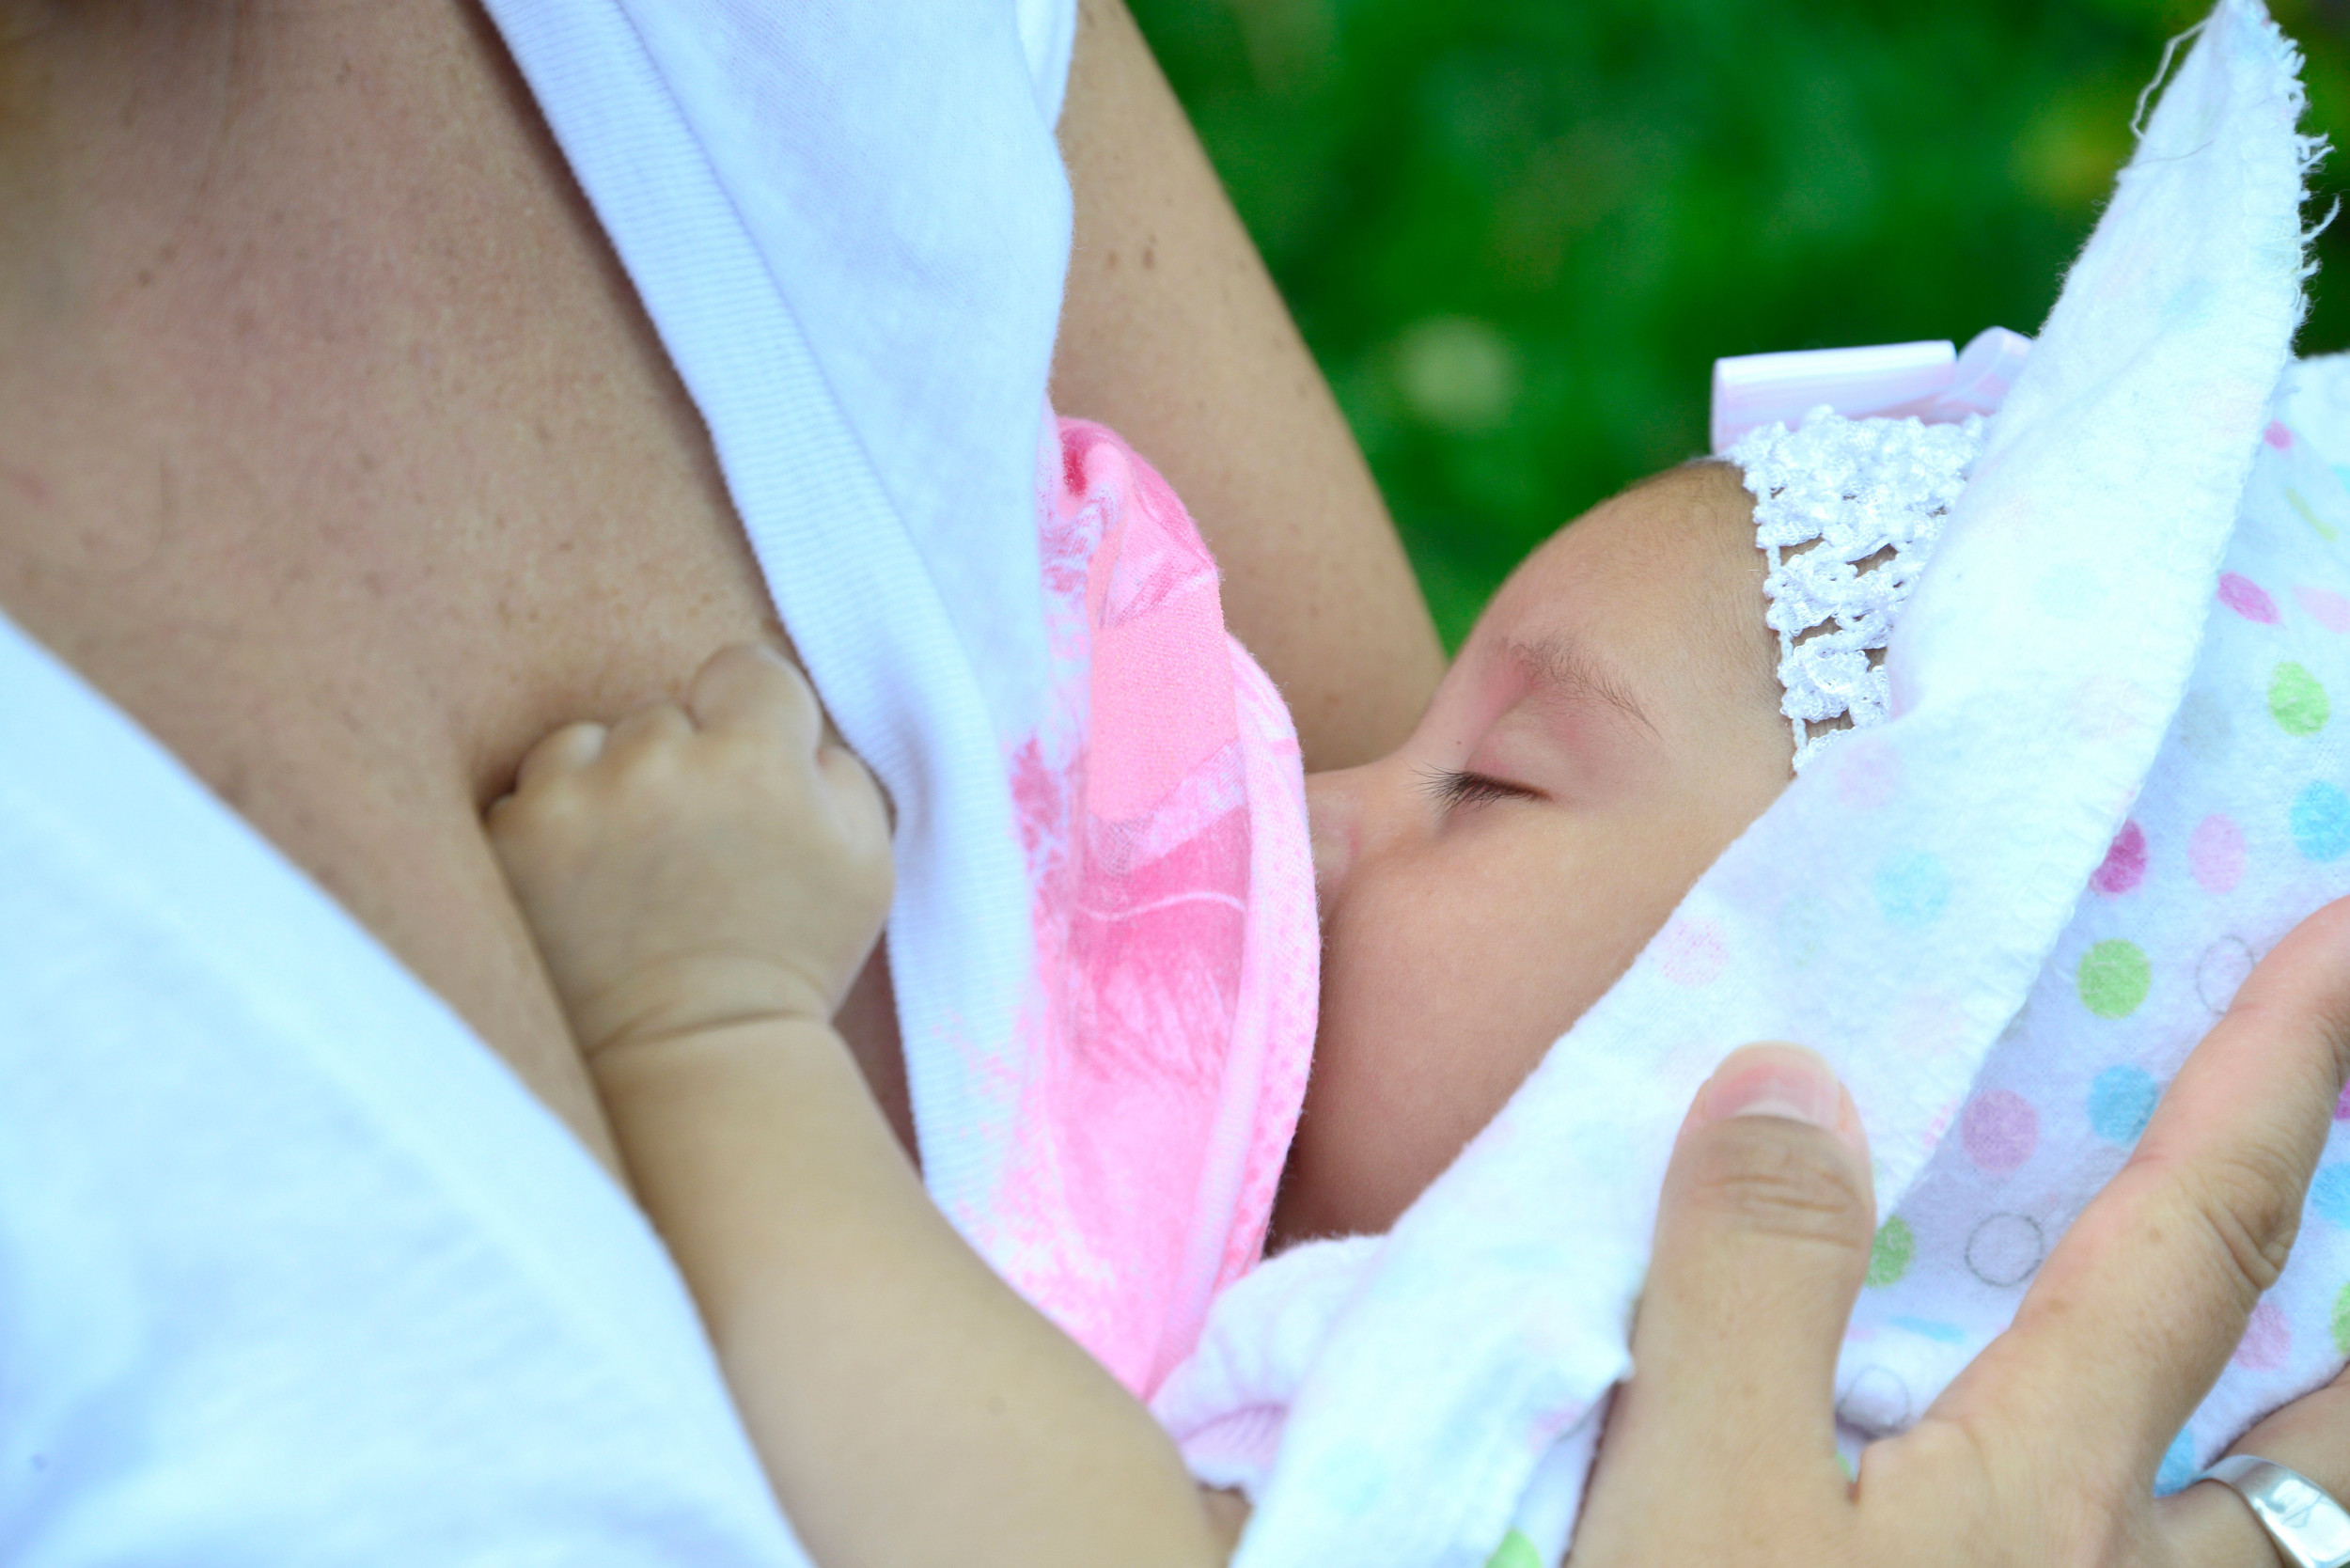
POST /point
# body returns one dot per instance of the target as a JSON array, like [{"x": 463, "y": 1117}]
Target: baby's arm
[{"x": 704, "y": 881}]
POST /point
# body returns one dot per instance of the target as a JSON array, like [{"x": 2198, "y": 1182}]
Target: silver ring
[{"x": 2309, "y": 1528}]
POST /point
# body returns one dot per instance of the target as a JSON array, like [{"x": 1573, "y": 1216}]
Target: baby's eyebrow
[{"x": 1565, "y": 669}]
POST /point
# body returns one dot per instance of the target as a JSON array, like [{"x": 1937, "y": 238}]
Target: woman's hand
[{"x": 2045, "y": 1450}]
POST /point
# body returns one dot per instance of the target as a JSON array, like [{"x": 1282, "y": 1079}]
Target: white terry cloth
[
  {"x": 292, "y": 1269},
  {"x": 1923, "y": 905}
]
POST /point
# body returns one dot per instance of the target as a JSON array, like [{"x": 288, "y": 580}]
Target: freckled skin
[
  {"x": 1460, "y": 940},
  {"x": 341, "y": 455}
]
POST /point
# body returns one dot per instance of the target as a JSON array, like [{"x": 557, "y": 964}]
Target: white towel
[{"x": 1973, "y": 911}]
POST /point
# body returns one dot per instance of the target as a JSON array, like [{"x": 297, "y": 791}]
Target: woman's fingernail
[{"x": 1774, "y": 1080}]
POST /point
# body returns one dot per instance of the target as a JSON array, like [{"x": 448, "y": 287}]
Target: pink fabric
[{"x": 1177, "y": 954}]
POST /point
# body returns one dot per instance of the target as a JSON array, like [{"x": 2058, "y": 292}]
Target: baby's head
[
  {"x": 1615, "y": 720},
  {"x": 1610, "y": 725}
]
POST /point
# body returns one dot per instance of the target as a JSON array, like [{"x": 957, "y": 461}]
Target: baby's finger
[
  {"x": 751, "y": 685},
  {"x": 2139, "y": 1308},
  {"x": 569, "y": 749},
  {"x": 652, "y": 725},
  {"x": 865, "y": 809}
]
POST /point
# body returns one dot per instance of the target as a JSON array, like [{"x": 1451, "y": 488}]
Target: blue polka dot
[
  {"x": 2329, "y": 1195},
  {"x": 2321, "y": 823},
  {"x": 2119, "y": 1102},
  {"x": 1912, "y": 888},
  {"x": 2178, "y": 1466},
  {"x": 1927, "y": 1328}
]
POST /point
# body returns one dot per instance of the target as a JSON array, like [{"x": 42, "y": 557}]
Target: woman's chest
[
  {"x": 359, "y": 695},
  {"x": 374, "y": 475}
]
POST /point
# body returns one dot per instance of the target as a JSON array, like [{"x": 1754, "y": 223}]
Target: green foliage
[{"x": 1518, "y": 232}]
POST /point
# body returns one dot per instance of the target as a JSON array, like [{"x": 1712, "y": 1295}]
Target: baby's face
[{"x": 1610, "y": 725}]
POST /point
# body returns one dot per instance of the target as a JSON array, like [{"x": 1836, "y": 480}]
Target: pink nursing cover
[{"x": 1172, "y": 1017}]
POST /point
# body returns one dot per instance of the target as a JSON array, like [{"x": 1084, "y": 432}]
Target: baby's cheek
[
  {"x": 1383, "y": 1115},
  {"x": 1438, "y": 1000},
  {"x": 1558, "y": 926}
]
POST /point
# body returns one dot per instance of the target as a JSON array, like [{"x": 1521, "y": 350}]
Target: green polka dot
[
  {"x": 2113, "y": 979},
  {"x": 1515, "y": 1551},
  {"x": 2297, "y": 700},
  {"x": 2342, "y": 1321},
  {"x": 1889, "y": 1256}
]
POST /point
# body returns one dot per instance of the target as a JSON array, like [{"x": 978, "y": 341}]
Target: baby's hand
[{"x": 701, "y": 865}]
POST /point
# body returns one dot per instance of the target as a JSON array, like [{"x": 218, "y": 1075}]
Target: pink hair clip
[{"x": 1882, "y": 380}]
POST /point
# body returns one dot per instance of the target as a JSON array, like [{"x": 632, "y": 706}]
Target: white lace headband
[{"x": 1848, "y": 509}]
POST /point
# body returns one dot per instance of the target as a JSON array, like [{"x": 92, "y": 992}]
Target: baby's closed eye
[{"x": 1451, "y": 788}]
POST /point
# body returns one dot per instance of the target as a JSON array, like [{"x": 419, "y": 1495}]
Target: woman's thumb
[{"x": 1763, "y": 1238}]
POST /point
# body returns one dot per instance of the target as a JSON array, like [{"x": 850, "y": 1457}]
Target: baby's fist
[{"x": 698, "y": 865}]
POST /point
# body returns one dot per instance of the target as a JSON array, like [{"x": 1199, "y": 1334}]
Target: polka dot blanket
[{"x": 2114, "y": 775}]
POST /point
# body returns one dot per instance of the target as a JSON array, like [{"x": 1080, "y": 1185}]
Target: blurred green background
[{"x": 1517, "y": 233}]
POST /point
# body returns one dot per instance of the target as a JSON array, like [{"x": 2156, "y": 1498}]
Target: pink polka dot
[
  {"x": 2342, "y": 1106},
  {"x": 2126, "y": 862},
  {"x": 2215, "y": 853},
  {"x": 2248, "y": 599},
  {"x": 2276, "y": 435},
  {"x": 2268, "y": 1340},
  {"x": 2000, "y": 1130},
  {"x": 1868, "y": 775},
  {"x": 2326, "y": 607},
  {"x": 1692, "y": 953}
]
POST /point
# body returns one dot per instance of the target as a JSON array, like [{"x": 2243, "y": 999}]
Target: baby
[
  {"x": 705, "y": 878},
  {"x": 1563, "y": 845}
]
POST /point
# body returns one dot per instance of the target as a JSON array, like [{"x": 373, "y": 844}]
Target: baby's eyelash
[{"x": 1450, "y": 787}]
